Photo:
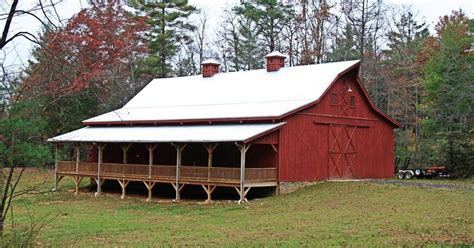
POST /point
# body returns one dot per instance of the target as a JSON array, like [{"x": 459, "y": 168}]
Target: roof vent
[
  {"x": 275, "y": 61},
  {"x": 210, "y": 67}
]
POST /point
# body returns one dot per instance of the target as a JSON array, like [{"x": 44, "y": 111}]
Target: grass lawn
[{"x": 325, "y": 214}]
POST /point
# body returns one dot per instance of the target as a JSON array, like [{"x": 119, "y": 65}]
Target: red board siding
[
  {"x": 271, "y": 138},
  {"x": 304, "y": 140}
]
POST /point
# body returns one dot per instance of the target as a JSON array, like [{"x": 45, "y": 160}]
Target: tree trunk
[{"x": 1, "y": 225}]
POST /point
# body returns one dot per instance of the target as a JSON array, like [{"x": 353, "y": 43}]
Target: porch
[
  {"x": 208, "y": 178},
  {"x": 210, "y": 159}
]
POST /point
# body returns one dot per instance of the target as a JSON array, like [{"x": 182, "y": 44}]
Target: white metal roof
[
  {"x": 198, "y": 133},
  {"x": 246, "y": 94},
  {"x": 210, "y": 61},
  {"x": 275, "y": 54}
]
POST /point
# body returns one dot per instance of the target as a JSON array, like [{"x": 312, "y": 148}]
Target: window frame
[
  {"x": 333, "y": 99},
  {"x": 352, "y": 102}
]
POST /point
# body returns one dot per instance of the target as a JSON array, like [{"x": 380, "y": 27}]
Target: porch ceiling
[{"x": 157, "y": 134}]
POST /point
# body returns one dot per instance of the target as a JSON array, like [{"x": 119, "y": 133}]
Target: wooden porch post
[
  {"x": 55, "y": 167},
  {"x": 149, "y": 185},
  {"x": 210, "y": 150},
  {"x": 77, "y": 178},
  {"x": 277, "y": 188},
  {"x": 122, "y": 182},
  {"x": 100, "y": 147},
  {"x": 151, "y": 148},
  {"x": 243, "y": 149},
  {"x": 78, "y": 156},
  {"x": 125, "y": 149},
  {"x": 179, "y": 150}
]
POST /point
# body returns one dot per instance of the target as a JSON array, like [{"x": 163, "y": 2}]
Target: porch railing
[{"x": 198, "y": 173}]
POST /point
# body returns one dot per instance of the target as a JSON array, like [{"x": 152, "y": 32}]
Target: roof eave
[{"x": 264, "y": 133}]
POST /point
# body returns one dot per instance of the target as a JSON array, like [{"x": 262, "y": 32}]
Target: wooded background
[{"x": 97, "y": 60}]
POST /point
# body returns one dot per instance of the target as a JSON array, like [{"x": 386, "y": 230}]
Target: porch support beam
[
  {"x": 277, "y": 188},
  {"x": 274, "y": 148},
  {"x": 125, "y": 148},
  {"x": 149, "y": 186},
  {"x": 210, "y": 155},
  {"x": 55, "y": 168},
  {"x": 210, "y": 151},
  {"x": 243, "y": 150},
  {"x": 100, "y": 148},
  {"x": 151, "y": 148},
  {"x": 78, "y": 157},
  {"x": 77, "y": 182},
  {"x": 179, "y": 151},
  {"x": 209, "y": 189},
  {"x": 123, "y": 184},
  {"x": 242, "y": 193}
]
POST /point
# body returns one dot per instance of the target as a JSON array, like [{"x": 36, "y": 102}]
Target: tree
[
  {"x": 98, "y": 51},
  {"x": 402, "y": 70},
  {"x": 169, "y": 27},
  {"x": 368, "y": 24},
  {"x": 270, "y": 17},
  {"x": 41, "y": 12},
  {"x": 20, "y": 146},
  {"x": 315, "y": 17},
  {"x": 366, "y": 19},
  {"x": 249, "y": 52},
  {"x": 200, "y": 37},
  {"x": 343, "y": 48},
  {"x": 228, "y": 41},
  {"x": 448, "y": 78}
]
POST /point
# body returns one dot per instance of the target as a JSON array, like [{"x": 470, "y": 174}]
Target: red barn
[{"x": 240, "y": 129}]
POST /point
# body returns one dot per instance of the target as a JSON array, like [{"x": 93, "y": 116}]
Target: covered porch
[{"x": 242, "y": 157}]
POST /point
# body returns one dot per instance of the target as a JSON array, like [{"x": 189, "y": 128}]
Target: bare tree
[
  {"x": 43, "y": 12},
  {"x": 366, "y": 18},
  {"x": 200, "y": 35},
  {"x": 228, "y": 41},
  {"x": 11, "y": 143}
]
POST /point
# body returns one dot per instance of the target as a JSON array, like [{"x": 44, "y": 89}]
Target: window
[
  {"x": 333, "y": 99},
  {"x": 353, "y": 101}
]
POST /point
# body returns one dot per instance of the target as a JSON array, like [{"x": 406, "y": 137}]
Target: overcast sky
[{"x": 18, "y": 53}]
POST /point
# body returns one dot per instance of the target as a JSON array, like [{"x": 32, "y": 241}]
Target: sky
[{"x": 18, "y": 53}]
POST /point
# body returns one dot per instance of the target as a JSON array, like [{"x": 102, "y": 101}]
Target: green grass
[{"x": 325, "y": 214}]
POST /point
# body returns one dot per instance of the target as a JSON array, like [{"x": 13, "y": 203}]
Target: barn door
[{"x": 342, "y": 151}]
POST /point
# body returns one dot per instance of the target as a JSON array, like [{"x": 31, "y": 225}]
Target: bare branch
[{"x": 6, "y": 29}]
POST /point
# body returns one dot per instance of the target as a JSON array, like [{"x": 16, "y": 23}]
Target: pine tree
[
  {"x": 270, "y": 17},
  {"x": 344, "y": 48},
  {"x": 448, "y": 80},
  {"x": 249, "y": 52},
  {"x": 170, "y": 27}
]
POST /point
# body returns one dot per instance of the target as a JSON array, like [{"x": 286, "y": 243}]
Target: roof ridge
[{"x": 215, "y": 104}]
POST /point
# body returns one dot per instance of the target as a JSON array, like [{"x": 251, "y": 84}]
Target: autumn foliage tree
[
  {"x": 401, "y": 69},
  {"x": 98, "y": 52}
]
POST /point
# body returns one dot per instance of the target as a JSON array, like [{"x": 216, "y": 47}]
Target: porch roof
[{"x": 197, "y": 133}]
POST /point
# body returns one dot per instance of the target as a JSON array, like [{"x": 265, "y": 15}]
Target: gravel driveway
[{"x": 426, "y": 184}]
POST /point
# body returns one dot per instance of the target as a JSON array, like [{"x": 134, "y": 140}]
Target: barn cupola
[
  {"x": 275, "y": 61},
  {"x": 210, "y": 67}
]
